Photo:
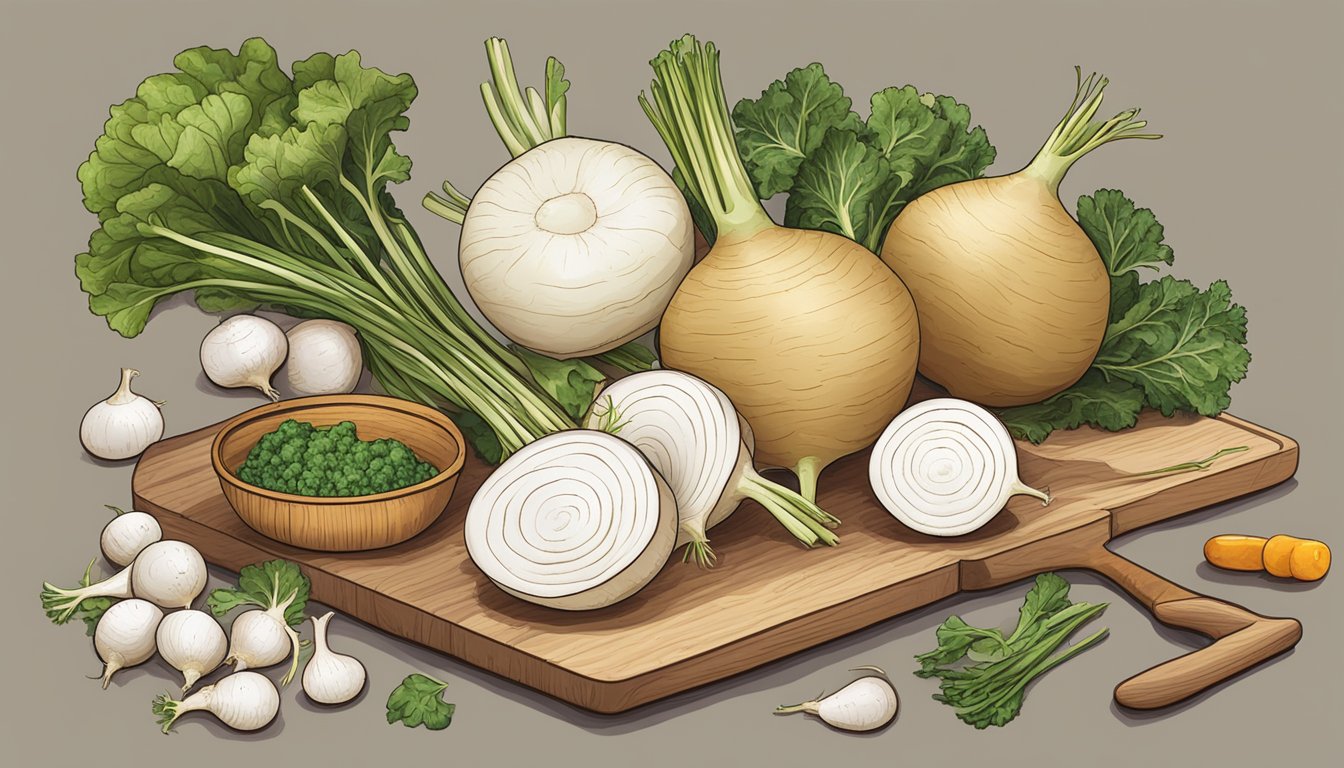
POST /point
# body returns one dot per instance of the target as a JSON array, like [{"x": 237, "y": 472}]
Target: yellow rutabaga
[
  {"x": 1013, "y": 297},
  {"x": 810, "y": 336}
]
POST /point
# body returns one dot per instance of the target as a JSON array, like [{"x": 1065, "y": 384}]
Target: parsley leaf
[
  {"x": 419, "y": 701},
  {"x": 266, "y": 585}
]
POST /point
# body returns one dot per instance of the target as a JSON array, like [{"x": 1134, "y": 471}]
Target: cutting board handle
[{"x": 1242, "y": 639}]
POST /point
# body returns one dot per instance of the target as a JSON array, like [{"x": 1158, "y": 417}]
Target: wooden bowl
[{"x": 348, "y": 523}]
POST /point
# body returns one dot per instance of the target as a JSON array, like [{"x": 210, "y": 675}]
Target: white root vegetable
[
  {"x": 576, "y": 520},
  {"x": 946, "y": 467},
  {"x": 690, "y": 432},
  {"x": 125, "y": 635},
  {"x": 576, "y": 245},
  {"x": 245, "y": 701},
  {"x": 123, "y": 425},
  {"x": 866, "y": 704},
  {"x": 244, "y": 351},
  {"x": 330, "y": 677},
  {"x": 127, "y": 535},
  {"x": 193, "y": 643},
  {"x": 170, "y": 574},
  {"x": 324, "y": 358}
]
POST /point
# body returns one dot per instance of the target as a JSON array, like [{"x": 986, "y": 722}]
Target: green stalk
[
  {"x": 1077, "y": 134},
  {"x": 480, "y": 392},
  {"x": 690, "y": 113}
]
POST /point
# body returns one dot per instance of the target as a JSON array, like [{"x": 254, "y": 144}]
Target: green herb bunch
[{"x": 306, "y": 460}]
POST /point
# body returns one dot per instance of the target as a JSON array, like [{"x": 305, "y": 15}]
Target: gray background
[{"x": 1246, "y": 182}]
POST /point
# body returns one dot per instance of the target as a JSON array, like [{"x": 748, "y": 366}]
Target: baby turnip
[
  {"x": 244, "y": 351},
  {"x": 123, "y": 425},
  {"x": 1013, "y": 297},
  {"x": 244, "y": 701},
  {"x": 330, "y": 677},
  {"x": 575, "y": 246},
  {"x": 260, "y": 639},
  {"x": 170, "y": 574},
  {"x": 866, "y": 704},
  {"x": 127, "y": 535},
  {"x": 690, "y": 432},
  {"x": 125, "y": 635},
  {"x": 809, "y": 334},
  {"x": 191, "y": 642}
]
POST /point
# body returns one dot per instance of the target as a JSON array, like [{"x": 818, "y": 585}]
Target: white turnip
[
  {"x": 244, "y": 701},
  {"x": 690, "y": 432},
  {"x": 945, "y": 467},
  {"x": 575, "y": 246},
  {"x": 125, "y": 635},
  {"x": 191, "y": 642},
  {"x": 576, "y": 520}
]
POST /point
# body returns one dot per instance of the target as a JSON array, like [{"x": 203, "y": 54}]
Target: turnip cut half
[
  {"x": 945, "y": 467},
  {"x": 576, "y": 520},
  {"x": 690, "y": 432}
]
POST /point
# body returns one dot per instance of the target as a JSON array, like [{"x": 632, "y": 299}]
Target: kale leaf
[{"x": 1168, "y": 346}]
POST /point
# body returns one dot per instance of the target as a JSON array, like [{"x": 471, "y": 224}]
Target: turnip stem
[
  {"x": 806, "y": 522},
  {"x": 807, "y": 470},
  {"x": 690, "y": 113},
  {"x": 1192, "y": 466},
  {"x": 1077, "y": 133}
]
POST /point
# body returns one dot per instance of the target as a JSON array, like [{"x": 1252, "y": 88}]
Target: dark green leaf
[
  {"x": 835, "y": 186},
  {"x": 1183, "y": 347},
  {"x": 571, "y": 383},
  {"x": 419, "y": 701},
  {"x": 777, "y": 131},
  {"x": 480, "y": 436},
  {"x": 1094, "y": 400},
  {"x": 267, "y": 585},
  {"x": 1127, "y": 238}
]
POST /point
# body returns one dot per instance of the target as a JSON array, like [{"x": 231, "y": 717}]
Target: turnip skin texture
[
  {"x": 824, "y": 342},
  {"x": 1013, "y": 297},
  {"x": 810, "y": 335}
]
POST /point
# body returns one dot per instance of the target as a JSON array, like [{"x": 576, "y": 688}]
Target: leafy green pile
[
  {"x": 1169, "y": 345},
  {"x": 253, "y": 187},
  {"x": 300, "y": 458},
  {"x": 844, "y": 174},
  {"x": 419, "y": 701},
  {"x": 989, "y": 689}
]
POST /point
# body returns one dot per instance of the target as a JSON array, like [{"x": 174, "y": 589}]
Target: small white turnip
[
  {"x": 330, "y": 677},
  {"x": 128, "y": 533},
  {"x": 245, "y": 701},
  {"x": 125, "y": 635},
  {"x": 193, "y": 643},
  {"x": 866, "y": 704}
]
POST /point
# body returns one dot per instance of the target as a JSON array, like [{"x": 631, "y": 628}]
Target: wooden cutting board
[{"x": 768, "y": 598}]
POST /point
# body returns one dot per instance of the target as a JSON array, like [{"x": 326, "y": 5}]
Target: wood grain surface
[{"x": 767, "y": 598}]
